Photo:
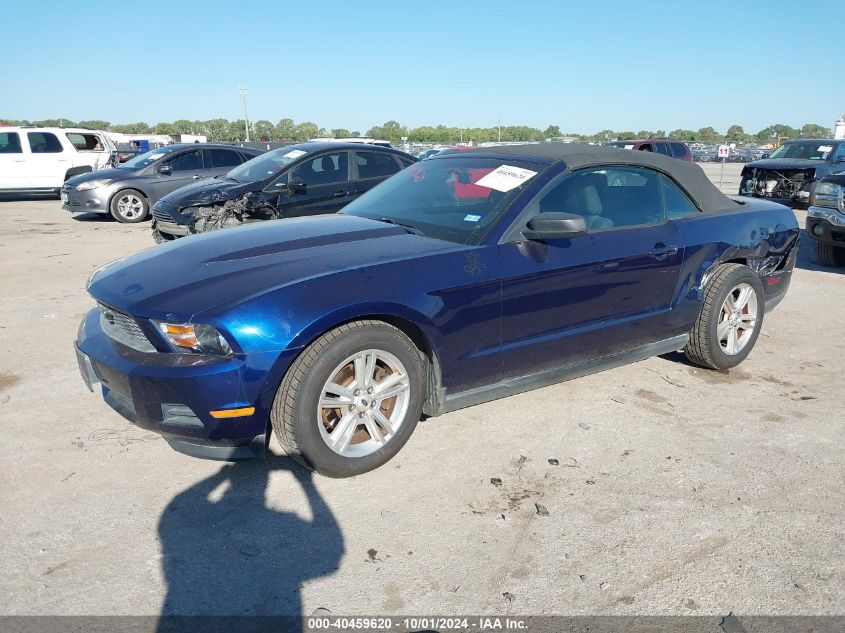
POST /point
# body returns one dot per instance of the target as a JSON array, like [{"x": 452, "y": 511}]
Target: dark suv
[
  {"x": 664, "y": 146},
  {"x": 296, "y": 180}
]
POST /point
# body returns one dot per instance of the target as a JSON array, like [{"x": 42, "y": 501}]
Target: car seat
[{"x": 582, "y": 196}]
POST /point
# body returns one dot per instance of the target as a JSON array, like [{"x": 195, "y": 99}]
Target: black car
[
  {"x": 826, "y": 220},
  {"x": 297, "y": 180},
  {"x": 790, "y": 173},
  {"x": 131, "y": 188}
]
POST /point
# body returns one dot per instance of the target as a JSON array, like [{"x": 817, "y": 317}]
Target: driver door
[
  {"x": 316, "y": 186},
  {"x": 565, "y": 301},
  {"x": 185, "y": 167}
]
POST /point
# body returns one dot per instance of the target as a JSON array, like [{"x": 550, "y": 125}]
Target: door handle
[
  {"x": 196, "y": 176},
  {"x": 340, "y": 194},
  {"x": 661, "y": 250}
]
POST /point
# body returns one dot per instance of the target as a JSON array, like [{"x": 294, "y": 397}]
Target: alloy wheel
[
  {"x": 363, "y": 403},
  {"x": 738, "y": 319}
]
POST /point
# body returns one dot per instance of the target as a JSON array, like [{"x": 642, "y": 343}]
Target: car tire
[
  {"x": 830, "y": 255},
  {"x": 730, "y": 319},
  {"x": 348, "y": 365},
  {"x": 129, "y": 206}
]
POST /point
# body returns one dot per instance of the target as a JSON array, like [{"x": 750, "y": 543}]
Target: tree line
[{"x": 287, "y": 130}]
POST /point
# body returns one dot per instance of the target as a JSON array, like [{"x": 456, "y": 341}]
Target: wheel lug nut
[
  {"x": 360, "y": 415},
  {"x": 369, "y": 390},
  {"x": 357, "y": 392}
]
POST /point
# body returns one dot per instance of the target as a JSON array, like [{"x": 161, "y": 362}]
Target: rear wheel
[
  {"x": 730, "y": 319},
  {"x": 129, "y": 206},
  {"x": 351, "y": 400},
  {"x": 830, "y": 255}
]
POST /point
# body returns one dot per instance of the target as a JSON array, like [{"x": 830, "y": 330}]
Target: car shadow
[
  {"x": 27, "y": 197},
  {"x": 92, "y": 217},
  {"x": 226, "y": 553},
  {"x": 807, "y": 257}
]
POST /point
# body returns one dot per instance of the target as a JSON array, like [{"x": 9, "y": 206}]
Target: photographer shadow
[{"x": 231, "y": 563}]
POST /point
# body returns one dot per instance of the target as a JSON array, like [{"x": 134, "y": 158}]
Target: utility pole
[
  {"x": 500, "y": 129},
  {"x": 243, "y": 90}
]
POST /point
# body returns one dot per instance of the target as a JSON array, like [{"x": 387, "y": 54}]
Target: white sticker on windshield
[
  {"x": 505, "y": 178},
  {"x": 825, "y": 148},
  {"x": 629, "y": 147},
  {"x": 295, "y": 153},
  {"x": 471, "y": 217},
  {"x": 156, "y": 156}
]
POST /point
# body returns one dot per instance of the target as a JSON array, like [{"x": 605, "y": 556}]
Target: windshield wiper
[{"x": 411, "y": 229}]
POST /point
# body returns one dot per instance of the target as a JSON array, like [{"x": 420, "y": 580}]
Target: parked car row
[
  {"x": 296, "y": 180},
  {"x": 129, "y": 190}
]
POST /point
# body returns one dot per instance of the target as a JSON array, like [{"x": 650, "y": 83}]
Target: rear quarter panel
[{"x": 762, "y": 234}]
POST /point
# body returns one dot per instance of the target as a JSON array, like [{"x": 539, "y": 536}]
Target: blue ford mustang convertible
[{"x": 467, "y": 277}]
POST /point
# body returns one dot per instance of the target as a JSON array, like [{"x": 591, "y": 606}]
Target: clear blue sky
[{"x": 583, "y": 65}]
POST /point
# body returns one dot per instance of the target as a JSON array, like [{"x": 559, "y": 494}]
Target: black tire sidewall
[
  {"x": 741, "y": 275},
  {"x": 311, "y": 444},
  {"x": 116, "y": 215}
]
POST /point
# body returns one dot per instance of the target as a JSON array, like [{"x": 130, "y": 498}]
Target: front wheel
[
  {"x": 129, "y": 206},
  {"x": 830, "y": 255},
  {"x": 730, "y": 319},
  {"x": 351, "y": 400}
]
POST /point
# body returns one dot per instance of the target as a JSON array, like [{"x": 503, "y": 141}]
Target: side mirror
[
  {"x": 554, "y": 225},
  {"x": 164, "y": 169},
  {"x": 298, "y": 187},
  {"x": 766, "y": 155}
]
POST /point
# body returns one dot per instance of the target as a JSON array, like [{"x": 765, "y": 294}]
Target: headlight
[
  {"x": 828, "y": 194},
  {"x": 197, "y": 338},
  {"x": 92, "y": 184}
]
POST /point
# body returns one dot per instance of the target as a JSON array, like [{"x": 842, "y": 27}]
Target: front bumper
[
  {"x": 826, "y": 225},
  {"x": 89, "y": 201},
  {"x": 173, "y": 394},
  {"x": 168, "y": 219}
]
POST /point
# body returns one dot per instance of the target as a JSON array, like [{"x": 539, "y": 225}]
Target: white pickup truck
[{"x": 41, "y": 159}]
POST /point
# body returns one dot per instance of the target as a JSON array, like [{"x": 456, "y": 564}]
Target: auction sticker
[
  {"x": 295, "y": 153},
  {"x": 505, "y": 178},
  {"x": 825, "y": 148}
]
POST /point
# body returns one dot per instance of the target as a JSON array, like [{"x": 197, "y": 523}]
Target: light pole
[{"x": 243, "y": 90}]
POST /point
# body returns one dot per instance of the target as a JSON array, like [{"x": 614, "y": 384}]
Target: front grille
[
  {"x": 124, "y": 329},
  {"x": 161, "y": 216}
]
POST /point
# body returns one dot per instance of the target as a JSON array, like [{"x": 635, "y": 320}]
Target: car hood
[
  {"x": 209, "y": 190},
  {"x": 102, "y": 174},
  {"x": 184, "y": 278},
  {"x": 786, "y": 163}
]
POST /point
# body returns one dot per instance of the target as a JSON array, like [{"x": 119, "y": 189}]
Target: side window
[
  {"x": 323, "y": 170},
  {"x": 85, "y": 142},
  {"x": 675, "y": 202},
  {"x": 678, "y": 149},
  {"x": 10, "y": 143},
  {"x": 607, "y": 197},
  {"x": 839, "y": 152},
  {"x": 663, "y": 148},
  {"x": 43, "y": 143},
  {"x": 375, "y": 165},
  {"x": 406, "y": 162},
  {"x": 224, "y": 157},
  {"x": 188, "y": 161}
]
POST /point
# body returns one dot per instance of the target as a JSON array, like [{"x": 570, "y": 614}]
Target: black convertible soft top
[{"x": 577, "y": 155}]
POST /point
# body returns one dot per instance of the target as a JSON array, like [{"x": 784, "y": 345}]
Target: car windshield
[
  {"x": 147, "y": 158},
  {"x": 457, "y": 199},
  {"x": 807, "y": 150},
  {"x": 266, "y": 165}
]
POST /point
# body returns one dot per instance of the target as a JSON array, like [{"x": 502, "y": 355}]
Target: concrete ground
[{"x": 675, "y": 490}]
